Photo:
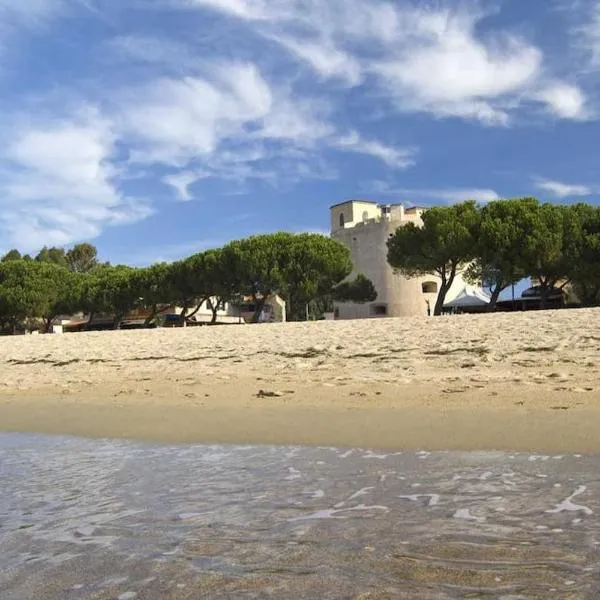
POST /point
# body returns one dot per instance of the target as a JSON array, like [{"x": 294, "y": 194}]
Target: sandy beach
[{"x": 519, "y": 382}]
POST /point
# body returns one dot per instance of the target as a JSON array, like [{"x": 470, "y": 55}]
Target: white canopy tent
[{"x": 469, "y": 297}]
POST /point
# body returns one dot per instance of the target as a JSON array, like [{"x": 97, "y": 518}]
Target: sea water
[{"x": 103, "y": 519}]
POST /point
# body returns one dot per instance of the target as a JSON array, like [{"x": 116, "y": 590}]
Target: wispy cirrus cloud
[
  {"x": 430, "y": 196},
  {"x": 560, "y": 189},
  {"x": 425, "y": 57},
  {"x": 394, "y": 157}
]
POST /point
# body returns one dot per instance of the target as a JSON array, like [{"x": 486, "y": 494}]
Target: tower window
[
  {"x": 430, "y": 287},
  {"x": 342, "y": 220},
  {"x": 379, "y": 309}
]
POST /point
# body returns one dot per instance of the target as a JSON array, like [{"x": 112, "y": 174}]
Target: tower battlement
[{"x": 354, "y": 213}]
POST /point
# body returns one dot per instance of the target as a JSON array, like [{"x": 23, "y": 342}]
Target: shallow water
[{"x": 100, "y": 519}]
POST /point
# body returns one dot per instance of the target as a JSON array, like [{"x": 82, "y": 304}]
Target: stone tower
[{"x": 365, "y": 227}]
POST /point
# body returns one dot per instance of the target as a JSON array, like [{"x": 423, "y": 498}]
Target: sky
[{"x": 158, "y": 128}]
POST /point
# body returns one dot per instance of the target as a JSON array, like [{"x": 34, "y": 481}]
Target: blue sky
[{"x": 158, "y": 128}]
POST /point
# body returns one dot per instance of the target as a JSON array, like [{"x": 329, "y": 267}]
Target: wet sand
[{"x": 526, "y": 381}]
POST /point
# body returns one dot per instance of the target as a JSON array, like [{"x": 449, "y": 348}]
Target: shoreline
[
  {"x": 411, "y": 422},
  {"x": 507, "y": 382}
]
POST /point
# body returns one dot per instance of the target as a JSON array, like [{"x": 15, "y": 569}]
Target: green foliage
[
  {"x": 110, "y": 290},
  {"x": 82, "y": 258},
  {"x": 187, "y": 283},
  {"x": 314, "y": 265},
  {"x": 34, "y": 289},
  {"x": 11, "y": 255},
  {"x": 583, "y": 253},
  {"x": 443, "y": 245},
  {"x": 52, "y": 255},
  {"x": 501, "y": 244},
  {"x": 153, "y": 286},
  {"x": 258, "y": 264},
  {"x": 360, "y": 290},
  {"x": 550, "y": 246},
  {"x": 220, "y": 283},
  {"x": 300, "y": 267}
]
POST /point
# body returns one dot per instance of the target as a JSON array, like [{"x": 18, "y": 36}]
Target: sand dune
[{"x": 519, "y": 381}]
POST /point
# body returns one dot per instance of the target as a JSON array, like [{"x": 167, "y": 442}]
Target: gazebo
[{"x": 470, "y": 299}]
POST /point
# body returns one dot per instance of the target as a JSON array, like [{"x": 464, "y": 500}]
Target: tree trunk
[
  {"x": 48, "y": 324},
  {"x": 491, "y": 307},
  {"x": 183, "y": 314},
  {"x": 117, "y": 322},
  {"x": 152, "y": 316},
  {"x": 258, "y": 308},
  {"x": 214, "y": 309},
  {"x": 439, "y": 302},
  {"x": 90, "y": 319},
  {"x": 446, "y": 285},
  {"x": 544, "y": 293},
  {"x": 196, "y": 309}
]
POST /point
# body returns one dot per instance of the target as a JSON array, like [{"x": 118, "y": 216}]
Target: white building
[{"x": 365, "y": 227}]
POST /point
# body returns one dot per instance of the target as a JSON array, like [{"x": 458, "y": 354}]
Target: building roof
[{"x": 354, "y": 200}]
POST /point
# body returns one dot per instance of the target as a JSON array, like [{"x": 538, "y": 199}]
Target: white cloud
[
  {"x": 182, "y": 181},
  {"x": 57, "y": 186},
  {"x": 445, "y": 69},
  {"x": 230, "y": 123},
  {"x": 462, "y": 194},
  {"x": 565, "y": 101},
  {"x": 448, "y": 195},
  {"x": 174, "y": 120},
  {"x": 560, "y": 189},
  {"x": 28, "y": 11},
  {"x": 397, "y": 158},
  {"x": 586, "y": 34},
  {"x": 426, "y": 57},
  {"x": 327, "y": 60}
]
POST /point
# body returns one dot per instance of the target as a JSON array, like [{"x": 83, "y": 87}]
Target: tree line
[
  {"x": 503, "y": 242},
  {"x": 305, "y": 269}
]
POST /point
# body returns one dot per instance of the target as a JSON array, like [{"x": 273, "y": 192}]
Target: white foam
[
  {"x": 316, "y": 494},
  {"x": 485, "y": 476},
  {"x": 371, "y": 454},
  {"x": 362, "y": 492},
  {"x": 330, "y": 513},
  {"x": 433, "y": 498},
  {"x": 465, "y": 514},
  {"x": 187, "y": 516},
  {"x": 127, "y": 596},
  {"x": 568, "y": 505},
  {"x": 293, "y": 474},
  {"x": 535, "y": 457}
]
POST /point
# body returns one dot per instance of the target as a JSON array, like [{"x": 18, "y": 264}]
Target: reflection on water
[{"x": 118, "y": 520}]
